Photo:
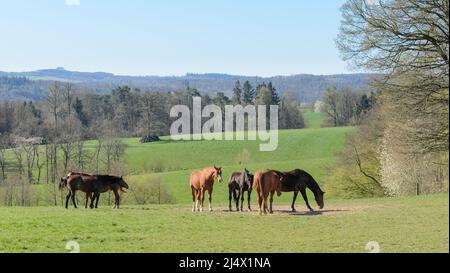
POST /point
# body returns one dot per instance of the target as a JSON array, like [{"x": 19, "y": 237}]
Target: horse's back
[
  {"x": 234, "y": 181},
  {"x": 257, "y": 180},
  {"x": 194, "y": 180},
  {"x": 269, "y": 181}
]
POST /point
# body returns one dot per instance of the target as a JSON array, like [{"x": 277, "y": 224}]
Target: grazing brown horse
[
  {"x": 266, "y": 182},
  {"x": 201, "y": 182},
  {"x": 297, "y": 181},
  {"x": 239, "y": 183},
  {"x": 94, "y": 184}
]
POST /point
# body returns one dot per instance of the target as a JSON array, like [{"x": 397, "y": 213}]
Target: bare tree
[
  {"x": 39, "y": 162},
  {"x": 2, "y": 157},
  {"x": 408, "y": 41},
  {"x": 54, "y": 101}
]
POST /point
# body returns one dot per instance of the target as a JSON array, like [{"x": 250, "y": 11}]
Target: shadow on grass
[{"x": 289, "y": 212}]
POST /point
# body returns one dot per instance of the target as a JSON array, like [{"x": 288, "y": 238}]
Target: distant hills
[{"x": 33, "y": 85}]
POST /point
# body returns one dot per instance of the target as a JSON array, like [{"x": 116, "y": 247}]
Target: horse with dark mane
[
  {"x": 106, "y": 183},
  {"x": 93, "y": 184},
  {"x": 239, "y": 183},
  {"x": 297, "y": 181},
  {"x": 201, "y": 182},
  {"x": 63, "y": 183}
]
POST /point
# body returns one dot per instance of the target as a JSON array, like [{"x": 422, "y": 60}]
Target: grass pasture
[
  {"x": 404, "y": 224},
  {"x": 407, "y": 224}
]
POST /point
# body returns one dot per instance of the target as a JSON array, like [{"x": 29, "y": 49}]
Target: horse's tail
[{"x": 258, "y": 186}]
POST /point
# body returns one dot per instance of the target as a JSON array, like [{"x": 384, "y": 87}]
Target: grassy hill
[{"x": 310, "y": 149}]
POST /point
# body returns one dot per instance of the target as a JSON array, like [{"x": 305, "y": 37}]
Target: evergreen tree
[
  {"x": 248, "y": 93},
  {"x": 78, "y": 107},
  {"x": 274, "y": 94},
  {"x": 237, "y": 93}
]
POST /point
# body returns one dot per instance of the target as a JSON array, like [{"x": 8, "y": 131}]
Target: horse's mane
[
  {"x": 108, "y": 178},
  {"x": 311, "y": 182}
]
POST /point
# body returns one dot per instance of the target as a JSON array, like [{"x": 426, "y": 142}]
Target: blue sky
[{"x": 172, "y": 37}]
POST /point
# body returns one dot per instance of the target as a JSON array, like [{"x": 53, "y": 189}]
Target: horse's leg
[
  {"x": 271, "y": 202},
  {"x": 88, "y": 195},
  {"x": 97, "y": 197},
  {"x": 266, "y": 207},
  {"x": 293, "y": 201},
  {"x": 305, "y": 197},
  {"x": 197, "y": 203},
  {"x": 116, "y": 199},
  {"x": 67, "y": 199},
  {"x": 230, "y": 197},
  {"x": 260, "y": 203},
  {"x": 242, "y": 200},
  {"x": 248, "y": 199},
  {"x": 202, "y": 198},
  {"x": 93, "y": 196},
  {"x": 194, "y": 193},
  {"x": 265, "y": 202},
  {"x": 210, "y": 191},
  {"x": 73, "y": 199},
  {"x": 237, "y": 196}
]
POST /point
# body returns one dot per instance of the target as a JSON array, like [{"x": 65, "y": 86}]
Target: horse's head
[
  {"x": 63, "y": 182},
  {"x": 123, "y": 184},
  {"x": 319, "y": 198},
  {"x": 218, "y": 173},
  {"x": 248, "y": 177}
]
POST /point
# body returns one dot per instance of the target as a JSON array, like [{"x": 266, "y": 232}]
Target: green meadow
[{"x": 404, "y": 224}]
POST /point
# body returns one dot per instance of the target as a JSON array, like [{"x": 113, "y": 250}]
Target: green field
[
  {"x": 408, "y": 224},
  {"x": 313, "y": 119},
  {"x": 310, "y": 149}
]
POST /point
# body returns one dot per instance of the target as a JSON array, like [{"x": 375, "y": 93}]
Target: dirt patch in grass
[{"x": 301, "y": 211}]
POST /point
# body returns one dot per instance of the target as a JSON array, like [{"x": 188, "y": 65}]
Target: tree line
[
  {"x": 67, "y": 117},
  {"x": 401, "y": 146}
]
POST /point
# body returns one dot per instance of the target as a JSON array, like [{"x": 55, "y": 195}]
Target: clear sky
[{"x": 172, "y": 37}]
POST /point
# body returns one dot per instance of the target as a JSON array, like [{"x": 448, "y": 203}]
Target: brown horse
[
  {"x": 266, "y": 182},
  {"x": 201, "y": 182},
  {"x": 76, "y": 183},
  {"x": 94, "y": 184},
  {"x": 64, "y": 179},
  {"x": 106, "y": 183}
]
